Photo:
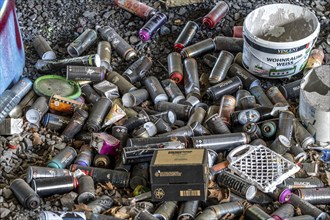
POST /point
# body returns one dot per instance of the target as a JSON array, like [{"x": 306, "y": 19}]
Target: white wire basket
[{"x": 261, "y": 166}]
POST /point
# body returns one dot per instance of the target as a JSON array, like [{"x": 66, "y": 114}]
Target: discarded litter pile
[{"x": 191, "y": 146}]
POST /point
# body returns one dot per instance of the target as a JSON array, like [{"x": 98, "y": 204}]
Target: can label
[
  {"x": 62, "y": 104},
  {"x": 63, "y": 215}
]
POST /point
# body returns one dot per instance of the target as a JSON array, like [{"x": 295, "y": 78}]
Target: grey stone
[
  {"x": 133, "y": 39},
  {"x": 7, "y": 193},
  {"x": 4, "y": 212}
]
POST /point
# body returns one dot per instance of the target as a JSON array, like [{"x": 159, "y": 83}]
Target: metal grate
[{"x": 262, "y": 166}]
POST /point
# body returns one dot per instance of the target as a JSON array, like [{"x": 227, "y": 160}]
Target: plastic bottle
[{"x": 10, "y": 98}]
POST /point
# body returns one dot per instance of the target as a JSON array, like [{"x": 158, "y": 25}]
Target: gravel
[{"x": 61, "y": 21}]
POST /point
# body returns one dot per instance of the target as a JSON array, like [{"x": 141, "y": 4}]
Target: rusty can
[{"x": 227, "y": 106}]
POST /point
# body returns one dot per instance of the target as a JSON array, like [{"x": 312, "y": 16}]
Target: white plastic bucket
[{"x": 278, "y": 39}]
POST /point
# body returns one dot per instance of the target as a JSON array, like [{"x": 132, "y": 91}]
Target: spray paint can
[
  {"x": 166, "y": 210},
  {"x": 138, "y": 69},
  {"x": 253, "y": 130},
  {"x": 291, "y": 90},
  {"x": 90, "y": 95},
  {"x": 105, "y": 143},
  {"x": 139, "y": 154},
  {"x": 25, "y": 194},
  {"x": 199, "y": 129},
  {"x": 43, "y": 49},
  {"x": 261, "y": 96},
  {"x": 123, "y": 49},
  {"x": 150, "y": 128},
  {"x": 216, "y": 125},
  {"x": 82, "y": 43},
  {"x": 48, "y": 215},
  {"x": 145, "y": 215},
  {"x": 54, "y": 185},
  {"x": 240, "y": 94},
  {"x": 284, "y": 211},
  {"x": 155, "y": 89},
  {"x": 161, "y": 125},
  {"x": 239, "y": 59},
  {"x": 123, "y": 84},
  {"x": 303, "y": 183},
  {"x": 34, "y": 172},
  {"x": 315, "y": 196},
  {"x": 268, "y": 129},
  {"x": 217, "y": 91},
  {"x": 100, "y": 175},
  {"x": 152, "y": 26},
  {"x": 84, "y": 73},
  {"x": 186, "y": 36},
  {"x": 137, "y": 8},
  {"x": 210, "y": 60},
  {"x": 139, "y": 175},
  {"x": 245, "y": 116},
  {"x": 302, "y": 136},
  {"x": 298, "y": 152},
  {"x": 227, "y": 106},
  {"x": 238, "y": 31},
  {"x": 172, "y": 90},
  {"x": 197, "y": 115},
  {"x": 63, "y": 158},
  {"x": 257, "y": 142},
  {"x": 191, "y": 79},
  {"x": 256, "y": 213},
  {"x": 307, "y": 208},
  {"x": 213, "y": 109},
  {"x": 207, "y": 214},
  {"x": 237, "y": 185},
  {"x": 198, "y": 49},
  {"x": 315, "y": 59},
  {"x": 135, "y": 97},
  {"x": 280, "y": 145},
  {"x": 64, "y": 105},
  {"x": 55, "y": 122},
  {"x": 301, "y": 217},
  {"x": 101, "y": 204},
  {"x": 37, "y": 110},
  {"x": 220, "y": 210},
  {"x": 248, "y": 102},
  {"x": 216, "y": 14},
  {"x": 26, "y": 102},
  {"x": 76, "y": 123},
  {"x": 101, "y": 161},
  {"x": 140, "y": 132},
  {"x": 134, "y": 122},
  {"x": 121, "y": 133},
  {"x": 186, "y": 131},
  {"x": 285, "y": 124},
  {"x": 86, "y": 189},
  {"x": 98, "y": 112},
  {"x": 188, "y": 210},
  {"x": 220, "y": 69},
  {"x": 232, "y": 44},
  {"x": 248, "y": 80},
  {"x": 276, "y": 96},
  {"x": 84, "y": 157},
  {"x": 103, "y": 55},
  {"x": 168, "y": 116},
  {"x": 175, "y": 67},
  {"x": 220, "y": 142},
  {"x": 182, "y": 111}
]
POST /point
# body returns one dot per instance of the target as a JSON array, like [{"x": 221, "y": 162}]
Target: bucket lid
[{"x": 52, "y": 84}]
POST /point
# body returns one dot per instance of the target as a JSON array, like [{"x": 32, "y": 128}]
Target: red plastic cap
[
  {"x": 178, "y": 47},
  {"x": 208, "y": 22},
  {"x": 75, "y": 182},
  {"x": 177, "y": 77},
  {"x": 238, "y": 31}
]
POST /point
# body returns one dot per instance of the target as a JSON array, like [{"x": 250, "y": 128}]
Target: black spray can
[
  {"x": 298, "y": 153},
  {"x": 253, "y": 130},
  {"x": 43, "y": 49},
  {"x": 152, "y": 26},
  {"x": 268, "y": 129},
  {"x": 168, "y": 116},
  {"x": 121, "y": 133},
  {"x": 302, "y": 136},
  {"x": 285, "y": 124},
  {"x": 134, "y": 122},
  {"x": 98, "y": 112},
  {"x": 216, "y": 125},
  {"x": 182, "y": 111},
  {"x": 139, "y": 175},
  {"x": 124, "y": 50},
  {"x": 57, "y": 185},
  {"x": 210, "y": 60},
  {"x": 307, "y": 208},
  {"x": 185, "y": 131},
  {"x": 197, "y": 115},
  {"x": 186, "y": 36},
  {"x": 166, "y": 210},
  {"x": 237, "y": 185},
  {"x": 316, "y": 196},
  {"x": 172, "y": 90},
  {"x": 301, "y": 217},
  {"x": 138, "y": 70},
  {"x": 85, "y": 73},
  {"x": 86, "y": 189},
  {"x": 220, "y": 69},
  {"x": 155, "y": 89},
  {"x": 123, "y": 84},
  {"x": 188, "y": 210},
  {"x": 76, "y": 123},
  {"x": 117, "y": 178},
  {"x": 101, "y": 161},
  {"x": 48, "y": 215},
  {"x": 220, "y": 210},
  {"x": 34, "y": 172},
  {"x": 231, "y": 44},
  {"x": 175, "y": 67},
  {"x": 84, "y": 157},
  {"x": 261, "y": 96},
  {"x": 145, "y": 215},
  {"x": 101, "y": 204},
  {"x": 90, "y": 95},
  {"x": 161, "y": 125},
  {"x": 135, "y": 97},
  {"x": 220, "y": 142},
  {"x": 280, "y": 145},
  {"x": 247, "y": 79},
  {"x": 276, "y": 96},
  {"x": 256, "y": 213},
  {"x": 37, "y": 110},
  {"x": 284, "y": 211},
  {"x": 198, "y": 49},
  {"x": 302, "y": 183},
  {"x": 191, "y": 79},
  {"x": 103, "y": 56},
  {"x": 291, "y": 90},
  {"x": 226, "y": 87},
  {"x": 82, "y": 43},
  {"x": 25, "y": 194},
  {"x": 55, "y": 122},
  {"x": 240, "y": 94}
]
